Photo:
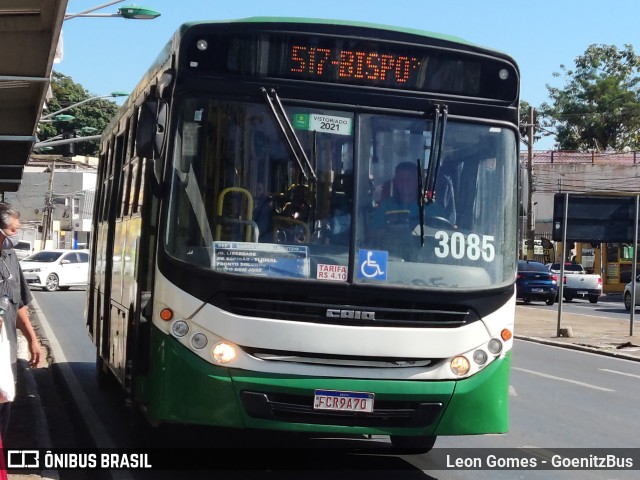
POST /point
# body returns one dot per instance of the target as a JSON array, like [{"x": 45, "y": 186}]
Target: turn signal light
[
  {"x": 506, "y": 335},
  {"x": 166, "y": 314}
]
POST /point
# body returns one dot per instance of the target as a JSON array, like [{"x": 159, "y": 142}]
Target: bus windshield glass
[{"x": 242, "y": 204}]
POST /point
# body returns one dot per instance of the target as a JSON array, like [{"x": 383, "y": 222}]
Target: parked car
[
  {"x": 23, "y": 249},
  {"x": 577, "y": 282},
  {"x": 54, "y": 270},
  {"x": 535, "y": 282},
  {"x": 626, "y": 296}
]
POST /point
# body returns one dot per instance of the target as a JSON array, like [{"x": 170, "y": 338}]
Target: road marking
[
  {"x": 512, "y": 391},
  {"x": 575, "y": 382},
  {"x": 619, "y": 373}
]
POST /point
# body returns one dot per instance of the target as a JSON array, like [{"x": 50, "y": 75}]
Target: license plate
[
  {"x": 582, "y": 292},
  {"x": 537, "y": 290},
  {"x": 343, "y": 401}
]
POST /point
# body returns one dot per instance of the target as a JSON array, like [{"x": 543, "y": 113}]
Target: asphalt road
[{"x": 560, "y": 398}]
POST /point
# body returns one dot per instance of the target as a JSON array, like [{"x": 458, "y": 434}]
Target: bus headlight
[
  {"x": 199, "y": 341},
  {"x": 494, "y": 346},
  {"x": 480, "y": 357},
  {"x": 180, "y": 328},
  {"x": 223, "y": 352},
  {"x": 460, "y": 365}
]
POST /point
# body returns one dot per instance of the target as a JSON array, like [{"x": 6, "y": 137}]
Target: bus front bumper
[{"x": 182, "y": 388}]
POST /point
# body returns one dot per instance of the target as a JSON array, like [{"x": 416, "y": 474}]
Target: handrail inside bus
[{"x": 247, "y": 220}]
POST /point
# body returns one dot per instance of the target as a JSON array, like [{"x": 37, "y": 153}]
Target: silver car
[{"x": 627, "y": 294}]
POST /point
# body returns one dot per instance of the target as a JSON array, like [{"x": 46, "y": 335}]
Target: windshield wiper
[
  {"x": 289, "y": 134},
  {"x": 420, "y": 201},
  {"x": 428, "y": 194}
]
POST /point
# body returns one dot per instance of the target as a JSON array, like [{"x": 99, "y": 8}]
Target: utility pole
[
  {"x": 47, "y": 214},
  {"x": 530, "y": 226}
]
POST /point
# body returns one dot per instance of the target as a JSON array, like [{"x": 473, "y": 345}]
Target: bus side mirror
[{"x": 151, "y": 129}]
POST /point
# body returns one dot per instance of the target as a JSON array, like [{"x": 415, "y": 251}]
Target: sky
[{"x": 111, "y": 54}]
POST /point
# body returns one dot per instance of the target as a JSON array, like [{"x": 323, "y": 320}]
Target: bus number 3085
[{"x": 458, "y": 246}]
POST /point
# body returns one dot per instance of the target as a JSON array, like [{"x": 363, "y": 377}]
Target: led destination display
[{"x": 339, "y": 60}]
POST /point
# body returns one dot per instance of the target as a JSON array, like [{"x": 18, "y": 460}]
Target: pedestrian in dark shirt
[{"x": 15, "y": 288}]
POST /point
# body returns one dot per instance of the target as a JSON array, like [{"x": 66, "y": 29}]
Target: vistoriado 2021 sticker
[{"x": 318, "y": 122}]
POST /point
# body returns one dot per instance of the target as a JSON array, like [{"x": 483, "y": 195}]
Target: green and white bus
[{"x": 249, "y": 266}]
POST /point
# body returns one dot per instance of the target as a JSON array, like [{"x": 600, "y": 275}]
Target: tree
[
  {"x": 599, "y": 106},
  {"x": 524, "y": 123},
  {"x": 95, "y": 114}
]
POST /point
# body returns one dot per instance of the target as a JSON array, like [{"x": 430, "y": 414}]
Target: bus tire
[
  {"x": 414, "y": 445},
  {"x": 103, "y": 375},
  {"x": 142, "y": 432}
]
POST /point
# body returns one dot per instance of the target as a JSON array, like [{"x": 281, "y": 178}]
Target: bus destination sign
[{"x": 352, "y": 64}]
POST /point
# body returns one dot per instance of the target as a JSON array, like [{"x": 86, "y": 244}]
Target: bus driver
[{"x": 401, "y": 207}]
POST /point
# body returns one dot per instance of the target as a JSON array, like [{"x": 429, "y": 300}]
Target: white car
[
  {"x": 627, "y": 294},
  {"x": 54, "y": 270}
]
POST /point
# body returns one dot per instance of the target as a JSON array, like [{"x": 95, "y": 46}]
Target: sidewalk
[
  {"x": 29, "y": 428},
  {"x": 584, "y": 332}
]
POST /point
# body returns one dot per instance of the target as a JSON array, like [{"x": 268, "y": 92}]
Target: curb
[{"x": 577, "y": 346}]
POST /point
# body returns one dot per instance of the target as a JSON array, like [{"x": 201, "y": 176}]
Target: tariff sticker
[{"x": 331, "y": 272}]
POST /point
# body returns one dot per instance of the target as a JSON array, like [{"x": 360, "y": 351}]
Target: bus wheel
[
  {"x": 142, "y": 432},
  {"x": 52, "y": 282},
  {"x": 103, "y": 376},
  {"x": 413, "y": 444}
]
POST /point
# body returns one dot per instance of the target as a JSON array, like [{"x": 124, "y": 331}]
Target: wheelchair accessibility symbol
[{"x": 373, "y": 264}]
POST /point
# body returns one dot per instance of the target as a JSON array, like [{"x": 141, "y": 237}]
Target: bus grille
[
  {"x": 382, "y": 313},
  {"x": 299, "y": 409}
]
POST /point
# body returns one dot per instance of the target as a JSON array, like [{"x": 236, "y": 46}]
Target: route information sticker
[{"x": 263, "y": 259}]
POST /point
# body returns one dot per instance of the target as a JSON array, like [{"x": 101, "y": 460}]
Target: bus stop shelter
[{"x": 29, "y": 33}]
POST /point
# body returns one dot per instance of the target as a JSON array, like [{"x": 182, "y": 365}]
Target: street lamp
[
  {"x": 131, "y": 12},
  {"x": 44, "y": 144},
  {"x": 65, "y": 141},
  {"x": 118, "y": 93},
  {"x": 53, "y": 118}
]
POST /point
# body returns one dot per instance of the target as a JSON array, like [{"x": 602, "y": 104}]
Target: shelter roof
[{"x": 29, "y": 33}]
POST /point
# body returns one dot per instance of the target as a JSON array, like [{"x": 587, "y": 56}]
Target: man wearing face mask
[{"x": 15, "y": 288}]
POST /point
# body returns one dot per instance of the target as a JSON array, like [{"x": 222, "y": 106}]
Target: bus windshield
[{"x": 242, "y": 204}]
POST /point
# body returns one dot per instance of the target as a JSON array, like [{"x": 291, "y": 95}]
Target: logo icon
[
  {"x": 373, "y": 264},
  {"x": 23, "y": 459}
]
